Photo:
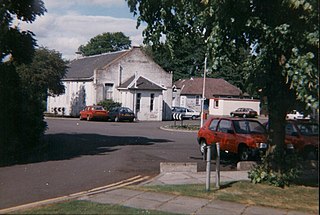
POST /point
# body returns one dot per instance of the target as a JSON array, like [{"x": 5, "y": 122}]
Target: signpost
[{"x": 177, "y": 117}]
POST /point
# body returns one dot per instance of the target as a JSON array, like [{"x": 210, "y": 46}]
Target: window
[
  {"x": 197, "y": 100},
  {"x": 224, "y": 126},
  {"x": 216, "y": 103},
  {"x": 138, "y": 99},
  {"x": 108, "y": 91},
  {"x": 213, "y": 125},
  {"x": 151, "y": 101}
]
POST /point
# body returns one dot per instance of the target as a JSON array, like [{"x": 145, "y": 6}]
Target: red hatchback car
[
  {"x": 94, "y": 112},
  {"x": 244, "y": 137}
]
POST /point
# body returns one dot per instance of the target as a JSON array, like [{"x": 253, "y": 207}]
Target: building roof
[
  {"x": 84, "y": 67},
  {"x": 214, "y": 87},
  {"x": 142, "y": 83}
]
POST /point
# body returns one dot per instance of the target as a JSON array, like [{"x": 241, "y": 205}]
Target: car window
[
  {"x": 99, "y": 108},
  {"x": 213, "y": 124},
  {"x": 308, "y": 129},
  {"x": 290, "y": 129},
  {"x": 248, "y": 127},
  {"x": 224, "y": 126}
]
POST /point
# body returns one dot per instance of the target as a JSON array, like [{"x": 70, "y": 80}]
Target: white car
[
  {"x": 296, "y": 115},
  {"x": 187, "y": 113}
]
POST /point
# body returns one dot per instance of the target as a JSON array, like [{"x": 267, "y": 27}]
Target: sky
[{"x": 71, "y": 23}]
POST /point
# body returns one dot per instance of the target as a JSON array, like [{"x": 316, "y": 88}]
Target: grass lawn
[
  {"x": 86, "y": 207},
  {"x": 300, "y": 198}
]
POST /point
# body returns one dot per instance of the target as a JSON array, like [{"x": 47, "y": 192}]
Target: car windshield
[
  {"x": 98, "y": 108},
  {"x": 248, "y": 127},
  {"x": 308, "y": 129},
  {"x": 127, "y": 110}
]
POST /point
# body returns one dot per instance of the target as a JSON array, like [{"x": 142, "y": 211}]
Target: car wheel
[
  {"x": 244, "y": 116},
  {"x": 116, "y": 119},
  {"x": 193, "y": 117},
  {"x": 88, "y": 118},
  {"x": 244, "y": 153},
  {"x": 232, "y": 115}
]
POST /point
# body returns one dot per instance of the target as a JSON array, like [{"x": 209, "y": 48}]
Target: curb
[{"x": 165, "y": 128}]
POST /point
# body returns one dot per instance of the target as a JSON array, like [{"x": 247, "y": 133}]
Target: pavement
[{"x": 183, "y": 204}]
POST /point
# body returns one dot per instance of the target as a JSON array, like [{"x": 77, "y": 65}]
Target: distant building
[
  {"x": 129, "y": 77},
  {"x": 221, "y": 97}
]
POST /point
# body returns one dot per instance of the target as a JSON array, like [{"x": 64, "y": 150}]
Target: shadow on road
[{"x": 67, "y": 146}]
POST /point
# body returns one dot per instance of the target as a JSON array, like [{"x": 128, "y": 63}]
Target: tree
[
  {"x": 106, "y": 42},
  {"x": 282, "y": 36},
  {"x": 16, "y": 47}
]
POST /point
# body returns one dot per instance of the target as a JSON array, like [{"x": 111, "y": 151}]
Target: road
[{"x": 82, "y": 155}]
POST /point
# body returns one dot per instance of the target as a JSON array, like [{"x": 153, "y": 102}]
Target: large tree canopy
[
  {"x": 106, "y": 42},
  {"x": 282, "y": 37},
  {"x": 18, "y": 44}
]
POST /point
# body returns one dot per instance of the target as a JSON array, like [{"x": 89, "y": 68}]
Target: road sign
[{"x": 177, "y": 116}]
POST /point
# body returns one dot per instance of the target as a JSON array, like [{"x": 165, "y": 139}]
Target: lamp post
[{"x": 203, "y": 90}]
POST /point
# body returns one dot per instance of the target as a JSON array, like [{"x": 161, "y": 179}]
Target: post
[
  {"x": 208, "y": 169},
  {"x": 218, "y": 166},
  {"x": 203, "y": 90}
]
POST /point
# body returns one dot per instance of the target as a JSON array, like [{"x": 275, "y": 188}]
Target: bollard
[
  {"x": 208, "y": 169},
  {"x": 218, "y": 166}
]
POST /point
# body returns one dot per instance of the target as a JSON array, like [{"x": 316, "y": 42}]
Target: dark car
[
  {"x": 118, "y": 114},
  {"x": 93, "y": 112},
  {"x": 244, "y": 137},
  {"x": 244, "y": 112}
]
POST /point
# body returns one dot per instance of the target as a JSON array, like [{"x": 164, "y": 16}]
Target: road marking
[{"x": 106, "y": 188}]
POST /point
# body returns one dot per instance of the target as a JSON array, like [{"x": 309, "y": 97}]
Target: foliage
[
  {"x": 107, "y": 104},
  {"x": 106, "y": 42},
  {"x": 268, "y": 170},
  {"x": 13, "y": 42},
  {"x": 20, "y": 124},
  {"x": 44, "y": 73}
]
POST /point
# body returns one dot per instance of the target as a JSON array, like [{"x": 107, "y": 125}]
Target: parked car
[
  {"x": 187, "y": 113},
  {"x": 118, "y": 114},
  {"x": 303, "y": 136},
  {"x": 296, "y": 115},
  {"x": 93, "y": 112},
  {"x": 244, "y": 137},
  {"x": 244, "y": 112}
]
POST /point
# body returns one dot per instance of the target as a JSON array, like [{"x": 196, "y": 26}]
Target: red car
[
  {"x": 94, "y": 112},
  {"x": 304, "y": 136},
  {"x": 244, "y": 137}
]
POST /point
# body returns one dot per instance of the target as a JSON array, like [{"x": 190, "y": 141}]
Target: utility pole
[{"x": 203, "y": 90}]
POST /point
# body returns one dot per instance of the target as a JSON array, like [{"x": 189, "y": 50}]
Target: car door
[{"x": 225, "y": 136}]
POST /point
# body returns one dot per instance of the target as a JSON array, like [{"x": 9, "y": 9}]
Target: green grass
[
  {"x": 86, "y": 207},
  {"x": 297, "y": 198}
]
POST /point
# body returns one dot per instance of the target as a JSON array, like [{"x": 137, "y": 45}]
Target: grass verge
[
  {"x": 297, "y": 198},
  {"x": 86, "y": 207}
]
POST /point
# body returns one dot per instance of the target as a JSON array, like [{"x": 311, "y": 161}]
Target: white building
[{"x": 129, "y": 77}]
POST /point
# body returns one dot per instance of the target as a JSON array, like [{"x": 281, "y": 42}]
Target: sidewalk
[{"x": 183, "y": 204}]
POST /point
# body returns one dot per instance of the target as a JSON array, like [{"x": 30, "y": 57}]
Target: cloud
[
  {"x": 63, "y": 4},
  {"x": 65, "y": 33}
]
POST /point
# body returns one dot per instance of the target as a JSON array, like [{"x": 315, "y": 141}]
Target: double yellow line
[{"x": 106, "y": 188}]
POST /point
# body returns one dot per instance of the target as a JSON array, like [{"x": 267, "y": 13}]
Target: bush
[
  {"x": 109, "y": 103},
  {"x": 276, "y": 170}
]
